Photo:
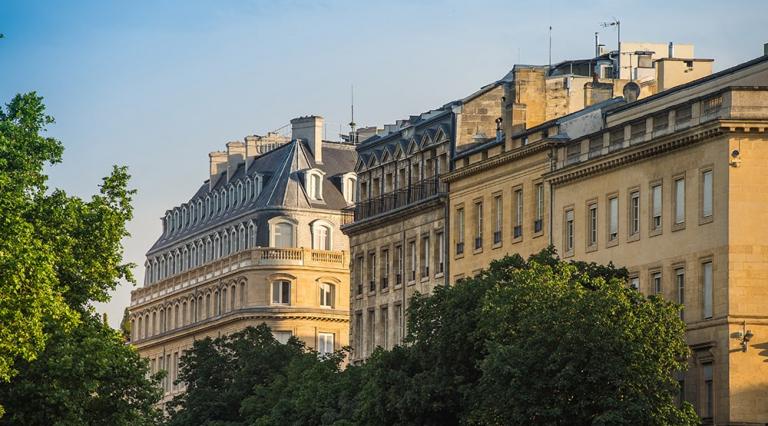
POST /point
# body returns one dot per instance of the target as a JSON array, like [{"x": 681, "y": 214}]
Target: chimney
[
  {"x": 218, "y": 161},
  {"x": 671, "y": 53},
  {"x": 251, "y": 144},
  {"x": 310, "y": 129},
  {"x": 235, "y": 156}
]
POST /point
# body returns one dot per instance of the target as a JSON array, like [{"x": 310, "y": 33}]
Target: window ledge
[
  {"x": 517, "y": 240},
  {"x": 655, "y": 232},
  {"x": 705, "y": 220},
  {"x": 424, "y": 279},
  {"x": 439, "y": 275},
  {"x": 497, "y": 246},
  {"x": 591, "y": 248},
  {"x": 476, "y": 251},
  {"x": 633, "y": 237},
  {"x": 678, "y": 226},
  {"x": 412, "y": 282}
]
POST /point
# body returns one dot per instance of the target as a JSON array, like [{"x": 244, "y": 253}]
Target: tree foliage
[
  {"x": 60, "y": 363},
  {"x": 536, "y": 341}
]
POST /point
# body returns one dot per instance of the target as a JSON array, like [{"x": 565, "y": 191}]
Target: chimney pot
[{"x": 310, "y": 129}]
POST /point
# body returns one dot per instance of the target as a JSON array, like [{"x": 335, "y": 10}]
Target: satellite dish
[{"x": 631, "y": 91}]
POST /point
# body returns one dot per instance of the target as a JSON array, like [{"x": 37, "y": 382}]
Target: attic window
[
  {"x": 314, "y": 184},
  {"x": 349, "y": 187}
]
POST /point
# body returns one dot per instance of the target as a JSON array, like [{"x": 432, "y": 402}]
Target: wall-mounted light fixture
[{"x": 743, "y": 336}]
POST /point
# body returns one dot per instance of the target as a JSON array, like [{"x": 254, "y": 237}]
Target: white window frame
[{"x": 278, "y": 292}]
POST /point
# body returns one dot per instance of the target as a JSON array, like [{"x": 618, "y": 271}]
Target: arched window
[
  {"x": 251, "y": 235},
  {"x": 192, "y": 310},
  {"x": 281, "y": 292},
  {"x": 153, "y": 329},
  {"x": 216, "y": 203},
  {"x": 139, "y": 330},
  {"x": 232, "y": 198},
  {"x": 242, "y": 240},
  {"x": 208, "y": 207},
  {"x": 321, "y": 237},
  {"x": 176, "y": 316},
  {"x": 208, "y": 305},
  {"x": 176, "y": 222},
  {"x": 350, "y": 189},
  {"x": 193, "y": 256},
  {"x": 216, "y": 246},
  {"x": 147, "y": 273},
  {"x": 200, "y": 253},
  {"x": 232, "y": 296},
  {"x": 208, "y": 249},
  {"x": 224, "y": 300},
  {"x": 282, "y": 235},
  {"x": 162, "y": 267},
  {"x": 200, "y": 308},
  {"x": 240, "y": 194},
  {"x": 167, "y": 224},
  {"x": 200, "y": 212},
  {"x": 216, "y": 303},
  {"x": 224, "y": 201},
  {"x": 155, "y": 270},
  {"x": 146, "y": 326},
  {"x": 248, "y": 190},
  {"x": 183, "y": 217},
  {"x": 314, "y": 183},
  {"x": 327, "y": 293},
  {"x": 242, "y": 294},
  {"x": 225, "y": 244},
  {"x": 192, "y": 213},
  {"x": 257, "y": 182},
  {"x": 233, "y": 241},
  {"x": 177, "y": 262},
  {"x": 184, "y": 314}
]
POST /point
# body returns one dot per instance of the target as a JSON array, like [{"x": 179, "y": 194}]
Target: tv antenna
[{"x": 616, "y": 23}]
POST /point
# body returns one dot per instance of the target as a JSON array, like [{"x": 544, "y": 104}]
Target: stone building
[
  {"x": 259, "y": 242},
  {"x": 671, "y": 186},
  {"x": 398, "y": 236}
]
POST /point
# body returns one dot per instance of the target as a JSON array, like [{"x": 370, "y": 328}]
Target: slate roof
[{"x": 283, "y": 185}]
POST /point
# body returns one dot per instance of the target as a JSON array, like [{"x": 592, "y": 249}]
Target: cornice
[
  {"x": 634, "y": 154},
  {"x": 492, "y": 162}
]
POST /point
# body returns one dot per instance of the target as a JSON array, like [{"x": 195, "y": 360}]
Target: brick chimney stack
[{"x": 310, "y": 129}]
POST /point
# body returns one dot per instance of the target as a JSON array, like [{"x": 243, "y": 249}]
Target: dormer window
[
  {"x": 257, "y": 184},
  {"x": 349, "y": 187},
  {"x": 176, "y": 220},
  {"x": 200, "y": 212},
  {"x": 314, "y": 183},
  {"x": 232, "y": 199},
  {"x": 240, "y": 194}
]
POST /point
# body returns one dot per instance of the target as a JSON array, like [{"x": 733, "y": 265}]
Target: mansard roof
[{"x": 283, "y": 185}]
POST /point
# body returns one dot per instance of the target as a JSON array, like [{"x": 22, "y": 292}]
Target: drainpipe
[{"x": 552, "y": 160}]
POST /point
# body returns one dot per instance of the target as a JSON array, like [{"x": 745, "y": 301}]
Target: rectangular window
[
  {"x": 398, "y": 266},
  {"x": 359, "y": 274},
  {"x": 397, "y": 324},
  {"x": 326, "y": 295},
  {"x": 357, "y": 345},
  {"x": 706, "y": 196},
  {"x": 518, "y": 230},
  {"x": 498, "y": 218},
  {"x": 569, "y": 231},
  {"x": 459, "y": 231},
  {"x": 371, "y": 331},
  {"x": 656, "y": 281},
  {"x": 679, "y": 201},
  {"x": 538, "y": 223},
  {"x": 680, "y": 284},
  {"x": 634, "y": 283},
  {"x": 281, "y": 292},
  {"x": 613, "y": 218},
  {"x": 592, "y": 226},
  {"x": 412, "y": 257},
  {"x": 385, "y": 327},
  {"x": 440, "y": 253},
  {"x": 384, "y": 269},
  {"x": 425, "y": 256},
  {"x": 324, "y": 343},
  {"x": 175, "y": 370},
  {"x": 706, "y": 278},
  {"x": 371, "y": 271},
  {"x": 282, "y": 336},
  {"x": 634, "y": 213},
  {"x": 478, "y": 225},
  {"x": 708, "y": 402},
  {"x": 656, "y": 207}
]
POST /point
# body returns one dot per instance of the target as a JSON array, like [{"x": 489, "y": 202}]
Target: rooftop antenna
[
  {"x": 550, "y": 46},
  {"x": 352, "y": 134},
  {"x": 616, "y": 23}
]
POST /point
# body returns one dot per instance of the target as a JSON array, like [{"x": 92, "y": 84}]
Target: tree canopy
[
  {"x": 59, "y": 363},
  {"x": 537, "y": 341}
]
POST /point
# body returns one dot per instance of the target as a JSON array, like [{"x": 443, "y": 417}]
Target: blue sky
[{"x": 157, "y": 85}]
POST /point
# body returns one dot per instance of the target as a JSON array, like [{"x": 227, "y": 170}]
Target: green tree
[
  {"x": 220, "y": 373},
  {"x": 58, "y": 255},
  {"x": 125, "y": 326},
  {"x": 29, "y": 288}
]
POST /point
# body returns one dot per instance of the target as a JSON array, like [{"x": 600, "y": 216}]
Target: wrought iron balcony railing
[{"x": 412, "y": 194}]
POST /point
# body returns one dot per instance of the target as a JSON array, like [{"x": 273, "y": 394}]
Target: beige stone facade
[
  {"x": 673, "y": 188},
  {"x": 398, "y": 236},
  {"x": 260, "y": 242}
]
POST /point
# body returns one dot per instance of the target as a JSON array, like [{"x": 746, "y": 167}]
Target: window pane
[
  {"x": 680, "y": 201},
  {"x": 707, "y": 195},
  {"x": 657, "y": 200},
  {"x": 707, "y": 284},
  {"x": 614, "y": 217},
  {"x": 286, "y": 289}
]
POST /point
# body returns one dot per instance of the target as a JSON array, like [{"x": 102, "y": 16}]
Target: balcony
[
  {"x": 250, "y": 258},
  {"x": 398, "y": 199}
]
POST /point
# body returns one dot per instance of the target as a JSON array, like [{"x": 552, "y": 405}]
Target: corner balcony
[
  {"x": 397, "y": 200},
  {"x": 259, "y": 257}
]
